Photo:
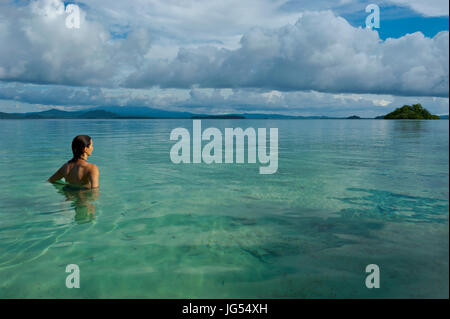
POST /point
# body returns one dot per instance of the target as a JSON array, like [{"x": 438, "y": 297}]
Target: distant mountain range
[{"x": 119, "y": 112}]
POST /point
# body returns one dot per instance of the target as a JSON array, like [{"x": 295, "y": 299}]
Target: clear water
[{"x": 346, "y": 194}]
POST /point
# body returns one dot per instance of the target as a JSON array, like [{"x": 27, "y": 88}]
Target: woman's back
[{"x": 77, "y": 173}]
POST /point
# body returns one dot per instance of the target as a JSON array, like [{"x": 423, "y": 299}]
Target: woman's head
[{"x": 81, "y": 144}]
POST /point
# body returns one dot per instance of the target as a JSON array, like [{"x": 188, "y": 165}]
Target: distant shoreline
[{"x": 140, "y": 113}]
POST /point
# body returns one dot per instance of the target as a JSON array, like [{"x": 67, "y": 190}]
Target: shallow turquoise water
[{"x": 346, "y": 194}]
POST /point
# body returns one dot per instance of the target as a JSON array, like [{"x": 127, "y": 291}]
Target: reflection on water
[
  {"x": 82, "y": 201},
  {"x": 409, "y": 126}
]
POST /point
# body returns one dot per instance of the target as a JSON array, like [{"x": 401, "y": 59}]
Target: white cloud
[
  {"x": 41, "y": 49},
  {"x": 273, "y": 96},
  {"x": 196, "y": 21},
  {"x": 431, "y": 8},
  {"x": 320, "y": 52},
  {"x": 381, "y": 102}
]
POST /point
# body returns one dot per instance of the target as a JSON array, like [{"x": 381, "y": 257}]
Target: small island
[{"x": 408, "y": 112}]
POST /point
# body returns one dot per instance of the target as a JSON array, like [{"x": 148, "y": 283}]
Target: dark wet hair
[{"x": 78, "y": 145}]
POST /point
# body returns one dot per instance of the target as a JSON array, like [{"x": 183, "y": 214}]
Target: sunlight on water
[{"x": 346, "y": 194}]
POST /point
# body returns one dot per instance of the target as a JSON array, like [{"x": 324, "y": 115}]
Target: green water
[{"x": 347, "y": 193}]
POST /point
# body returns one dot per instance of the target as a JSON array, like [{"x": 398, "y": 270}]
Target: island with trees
[{"x": 410, "y": 112}]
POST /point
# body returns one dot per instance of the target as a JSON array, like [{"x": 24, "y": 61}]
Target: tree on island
[{"x": 408, "y": 112}]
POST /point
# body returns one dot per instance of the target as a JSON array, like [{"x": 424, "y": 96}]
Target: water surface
[{"x": 347, "y": 193}]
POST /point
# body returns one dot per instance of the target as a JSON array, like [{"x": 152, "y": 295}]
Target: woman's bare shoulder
[{"x": 93, "y": 168}]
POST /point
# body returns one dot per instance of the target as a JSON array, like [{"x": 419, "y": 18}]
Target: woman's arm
[
  {"x": 58, "y": 175},
  {"x": 93, "y": 176}
]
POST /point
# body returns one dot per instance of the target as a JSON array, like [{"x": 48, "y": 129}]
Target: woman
[{"x": 78, "y": 171}]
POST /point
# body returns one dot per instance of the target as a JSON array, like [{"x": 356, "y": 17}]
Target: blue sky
[
  {"x": 275, "y": 56},
  {"x": 398, "y": 21}
]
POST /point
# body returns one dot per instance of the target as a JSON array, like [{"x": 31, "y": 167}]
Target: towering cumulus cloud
[
  {"x": 320, "y": 52},
  {"x": 37, "y": 47}
]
